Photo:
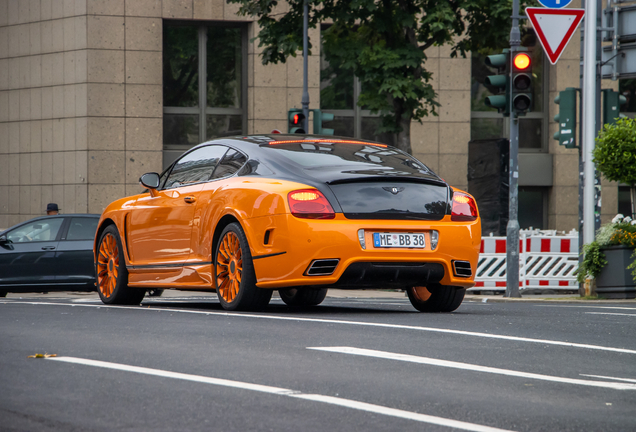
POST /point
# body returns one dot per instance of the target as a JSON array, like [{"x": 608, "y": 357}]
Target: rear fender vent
[
  {"x": 322, "y": 267},
  {"x": 462, "y": 269}
]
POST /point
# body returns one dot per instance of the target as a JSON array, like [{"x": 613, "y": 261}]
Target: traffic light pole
[
  {"x": 305, "y": 97},
  {"x": 512, "y": 230},
  {"x": 589, "y": 121}
]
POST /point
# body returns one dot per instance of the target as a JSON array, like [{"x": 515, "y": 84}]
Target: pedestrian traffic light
[
  {"x": 566, "y": 118},
  {"x": 320, "y": 118},
  {"x": 296, "y": 121},
  {"x": 500, "y": 85},
  {"x": 612, "y": 101},
  {"x": 521, "y": 77}
]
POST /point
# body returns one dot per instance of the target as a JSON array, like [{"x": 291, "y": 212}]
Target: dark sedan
[{"x": 49, "y": 253}]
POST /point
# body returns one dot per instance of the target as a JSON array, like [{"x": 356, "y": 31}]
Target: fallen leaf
[{"x": 42, "y": 355}]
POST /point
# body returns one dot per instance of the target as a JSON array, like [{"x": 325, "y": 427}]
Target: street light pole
[
  {"x": 512, "y": 230},
  {"x": 305, "y": 97}
]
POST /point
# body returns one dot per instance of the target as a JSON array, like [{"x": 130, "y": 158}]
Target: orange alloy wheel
[
  {"x": 229, "y": 267},
  {"x": 421, "y": 293},
  {"x": 108, "y": 265}
]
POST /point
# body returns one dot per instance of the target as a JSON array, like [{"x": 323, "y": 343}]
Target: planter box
[{"x": 615, "y": 280}]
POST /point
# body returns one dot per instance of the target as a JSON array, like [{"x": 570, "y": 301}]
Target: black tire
[
  {"x": 155, "y": 292},
  {"x": 441, "y": 298},
  {"x": 302, "y": 297},
  {"x": 234, "y": 277},
  {"x": 3, "y": 293},
  {"x": 111, "y": 274}
]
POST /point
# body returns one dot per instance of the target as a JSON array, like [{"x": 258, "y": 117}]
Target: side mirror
[
  {"x": 4, "y": 239},
  {"x": 150, "y": 181}
]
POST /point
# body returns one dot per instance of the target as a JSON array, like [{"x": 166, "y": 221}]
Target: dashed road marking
[
  {"x": 347, "y": 403},
  {"x": 471, "y": 367}
]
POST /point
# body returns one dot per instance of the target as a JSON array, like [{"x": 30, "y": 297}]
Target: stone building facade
[{"x": 83, "y": 111}]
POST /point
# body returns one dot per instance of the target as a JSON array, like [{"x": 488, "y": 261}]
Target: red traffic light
[
  {"x": 521, "y": 61},
  {"x": 296, "y": 119}
]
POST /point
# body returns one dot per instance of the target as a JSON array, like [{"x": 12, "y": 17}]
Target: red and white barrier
[{"x": 545, "y": 262}]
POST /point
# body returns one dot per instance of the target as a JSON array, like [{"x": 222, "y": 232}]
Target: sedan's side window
[
  {"x": 231, "y": 163},
  {"x": 37, "y": 231},
  {"x": 195, "y": 167},
  {"x": 82, "y": 229}
]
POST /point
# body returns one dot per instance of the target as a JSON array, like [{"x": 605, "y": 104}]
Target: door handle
[
  {"x": 189, "y": 199},
  {"x": 48, "y": 247}
]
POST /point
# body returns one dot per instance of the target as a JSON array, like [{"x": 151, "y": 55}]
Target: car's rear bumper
[{"x": 294, "y": 243}]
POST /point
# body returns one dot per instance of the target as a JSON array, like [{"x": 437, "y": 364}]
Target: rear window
[{"x": 358, "y": 156}]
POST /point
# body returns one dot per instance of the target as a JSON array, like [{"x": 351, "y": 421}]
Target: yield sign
[{"x": 554, "y": 27}]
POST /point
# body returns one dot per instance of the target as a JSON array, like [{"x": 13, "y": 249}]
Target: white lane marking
[
  {"x": 471, "y": 367},
  {"x": 353, "y": 323},
  {"x": 588, "y": 307},
  {"x": 610, "y": 313},
  {"x": 612, "y": 378},
  {"x": 347, "y": 403}
]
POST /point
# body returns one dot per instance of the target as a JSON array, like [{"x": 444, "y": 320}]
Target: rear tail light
[
  {"x": 464, "y": 207},
  {"x": 310, "y": 204}
]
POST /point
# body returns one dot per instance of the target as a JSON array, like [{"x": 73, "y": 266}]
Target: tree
[
  {"x": 384, "y": 43},
  {"x": 615, "y": 154}
]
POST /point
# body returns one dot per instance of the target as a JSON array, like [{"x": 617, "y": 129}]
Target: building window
[
  {"x": 533, "y": 207},
  {"x": 204, "y": 85},
  {"x": 487, "y": 123},
  {"x": 339, "y": 91}
]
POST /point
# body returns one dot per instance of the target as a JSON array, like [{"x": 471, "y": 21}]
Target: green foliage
[
  {"x": 593, "y": 262},
  {"x": 632, "y": 266},
  {"x": 620, "y": 231},
  {"x": 384, "y": 44},
  {"x": 615, "y": 151}
]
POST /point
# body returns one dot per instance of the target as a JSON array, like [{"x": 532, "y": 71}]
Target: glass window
[
  {"x": 203, "y": 91},
  {"x": 231, "y": 163},
  {"x": 627, "y": 88},
  {"x": 486, "y": 128},
  {"x": 181, "y": 129},
  {"x": 40, "y": 230},
  {"x": 195, "y": 167},
  {"x": 624, "y": 201},
  {"x": 533, "y": 207},
  {"x": 180, "y": 66},
  {"x": 82, "y": 229},
  {"x": 224, "y": 67},
  {"x": 339, "y": 91}
]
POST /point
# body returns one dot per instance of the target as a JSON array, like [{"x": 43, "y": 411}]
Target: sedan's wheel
[
  {"x": 302, "y": 297},
  {"x": 436, "y": 298},
  {"x": 112, "y": 275},
  {"x": 234, "y": 273}
]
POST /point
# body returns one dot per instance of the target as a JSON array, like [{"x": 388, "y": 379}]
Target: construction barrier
[{"x": 546, "y": 261}]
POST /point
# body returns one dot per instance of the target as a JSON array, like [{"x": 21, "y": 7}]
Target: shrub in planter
[
  {"x": 615, "y": 154},
  {"x": 610, "y": 259}
]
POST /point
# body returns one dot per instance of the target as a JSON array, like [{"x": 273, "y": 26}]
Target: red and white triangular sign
[{"x": 554, "y": 27}]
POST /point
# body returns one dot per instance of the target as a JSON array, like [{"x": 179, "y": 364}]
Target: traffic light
[
  {"x": 296, "y": 121},
  {"x": 501, "y": 98},
  {"x": 319, "y": 118},
  {"x": 612, "y": 101},
  {"x": 566, "y": 118},
  {"x": 521, "y": 77}
]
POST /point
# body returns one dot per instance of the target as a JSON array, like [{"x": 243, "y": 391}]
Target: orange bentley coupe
[{"x": 299, "y": 214}]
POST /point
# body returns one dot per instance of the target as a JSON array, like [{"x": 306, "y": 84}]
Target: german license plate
[{"x": 399, "y": 240}]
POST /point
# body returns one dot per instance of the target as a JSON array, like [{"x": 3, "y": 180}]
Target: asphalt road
[{"x": 180, "y": 362}]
